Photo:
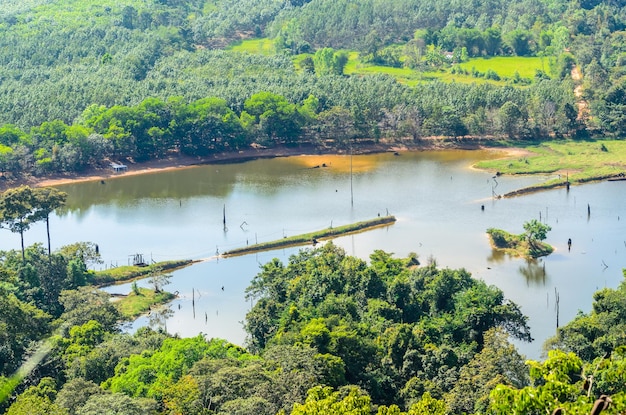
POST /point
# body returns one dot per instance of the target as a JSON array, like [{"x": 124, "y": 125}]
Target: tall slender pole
[
  {"x": 224, "y": 212},
  {"x": 351, "y": 192},
  {"x": 556, "y": 306}
]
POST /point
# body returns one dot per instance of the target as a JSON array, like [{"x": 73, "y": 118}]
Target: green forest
[
  {"x": 328, "y": 333},
  {"x": 84, "y": 83}
]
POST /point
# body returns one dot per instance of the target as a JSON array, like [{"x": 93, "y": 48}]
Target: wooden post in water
[
  {"x": 556, "y": 306},
  {"x": 224, "y": 220}
]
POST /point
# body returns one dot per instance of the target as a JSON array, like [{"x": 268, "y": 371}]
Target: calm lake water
[{"x": 436, "y": 197}]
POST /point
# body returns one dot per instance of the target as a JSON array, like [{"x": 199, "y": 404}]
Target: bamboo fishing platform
[{"x": 314, "y": 237}]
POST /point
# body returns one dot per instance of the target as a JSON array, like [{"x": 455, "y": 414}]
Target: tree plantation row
[
  {"x": 340, "y": 114},
  {"x": 58, "y": 59}
]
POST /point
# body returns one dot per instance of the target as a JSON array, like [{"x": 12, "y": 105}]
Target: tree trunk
[
  {"x": 48, "y": 232},
  {"x": 23, "y": 254}
]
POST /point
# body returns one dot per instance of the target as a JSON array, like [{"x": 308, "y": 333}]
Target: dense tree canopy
[
  {"x": 130, "y": 79},
  {"x": 392, "y": 326},
  {"x": 83, "y": 84},
  {"x": 330, "y": 332}
]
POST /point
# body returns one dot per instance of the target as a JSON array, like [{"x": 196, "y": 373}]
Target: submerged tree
[{"x": 535, "y": 232}]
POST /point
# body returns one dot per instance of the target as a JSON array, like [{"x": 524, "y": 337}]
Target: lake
[{"x": 436, "y": 197}]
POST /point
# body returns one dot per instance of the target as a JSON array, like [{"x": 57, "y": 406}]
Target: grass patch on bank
[
  {"x": 131, "y": 272},
  {"x": 313, "y": 237},
  {"x": 262, "y": 46},
  {"x": 578, "y": 161},
  {"x": 517, "y": 245},
  {"x": 141, "y": 301}
]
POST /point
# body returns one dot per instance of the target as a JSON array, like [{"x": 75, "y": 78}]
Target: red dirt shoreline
[{"x": 181, "y": 162}]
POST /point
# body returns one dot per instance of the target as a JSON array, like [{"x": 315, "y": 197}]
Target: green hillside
[{"x": 84, "y": 82}]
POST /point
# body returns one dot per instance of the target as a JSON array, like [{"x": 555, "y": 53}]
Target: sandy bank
[{"x": 181, "y": 162}]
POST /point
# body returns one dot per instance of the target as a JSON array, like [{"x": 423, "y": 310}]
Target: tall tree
[
  {"x": 46, "y": 201},
  {"x": 535, "y": 232},
  {"x": 17, "y": 212}
]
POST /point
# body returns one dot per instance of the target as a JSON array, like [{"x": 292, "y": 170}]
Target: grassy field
[
  {"x": 309, "y": 238},
  {"x": 130, "y": 272},
  {"x": 506, "y": 66},
  {"x": 407, "y": 76},
  {"x": 135, "y": 304},
  {"x": 262, "y": 46},
  {"x": 578, "y": 161}
]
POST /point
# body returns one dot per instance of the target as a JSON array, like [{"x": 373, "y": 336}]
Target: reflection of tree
[
  {"x": 535, "y": 272},
  {"x": 157, "y": 319},
  {"x": 158, "y": 279},
  {"x": 497, "y": 255}
]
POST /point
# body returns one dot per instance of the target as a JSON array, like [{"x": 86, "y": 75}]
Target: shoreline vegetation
[
  {"x": 313, "y": 237},
  {"x": 138, "y": 301},
  {"x": 142, "y": 300},
  {"x": 572, "y": 162}
]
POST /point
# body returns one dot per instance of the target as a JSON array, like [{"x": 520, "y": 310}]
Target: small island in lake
[{"x": 527, "y": 245}]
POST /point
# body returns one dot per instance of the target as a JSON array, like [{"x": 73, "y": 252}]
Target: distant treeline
[
  {"x": 330, "y": 111},
  {"x": 81, "y": 82}
]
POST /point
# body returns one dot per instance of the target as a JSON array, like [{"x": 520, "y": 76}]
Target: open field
[
  {"x": 506, "y": 66},
  {"x": 261, "y": 46},
  {"x": 578, "y": 161}
]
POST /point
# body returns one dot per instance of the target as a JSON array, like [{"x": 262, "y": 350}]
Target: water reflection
[
  {"x": 534, "y": 271},
  {"x": 497, "y": 256},
  {"x": 158, "y": 316}
]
